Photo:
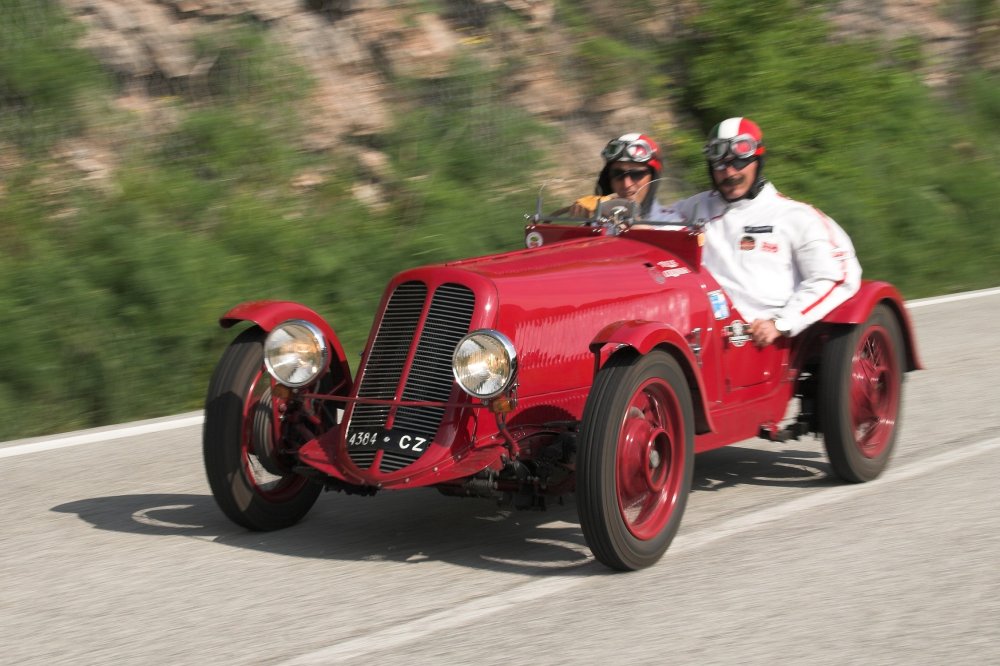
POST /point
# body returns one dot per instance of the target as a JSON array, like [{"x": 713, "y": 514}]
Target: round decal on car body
[
  {"x": 533, "y": 239},
  {"x": 738, "y": 332}
]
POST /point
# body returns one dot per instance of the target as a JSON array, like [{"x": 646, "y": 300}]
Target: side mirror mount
[{"x": 616, "y": 214}]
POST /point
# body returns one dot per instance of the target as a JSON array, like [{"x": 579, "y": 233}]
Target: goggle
[
  {"x": 741, "y": 147},
  {"x": 632, "y": 151}
]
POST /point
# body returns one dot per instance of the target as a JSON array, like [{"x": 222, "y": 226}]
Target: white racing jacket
[{"x": 775, "y": 257}]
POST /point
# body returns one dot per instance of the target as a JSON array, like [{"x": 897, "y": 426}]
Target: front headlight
[
  {"x": 484, "y": 363},
  {"x": 295, "y": 352}
]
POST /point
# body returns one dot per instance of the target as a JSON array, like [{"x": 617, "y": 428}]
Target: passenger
[
  {"x": 631, "y": 166},
  {"x": 784, "y": 264}
]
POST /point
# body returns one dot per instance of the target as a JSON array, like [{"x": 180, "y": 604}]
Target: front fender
[
  {"x": 268, "y": 314},
  {"x": 644, "y": 337},
  {"x": 856, "y": 309}
]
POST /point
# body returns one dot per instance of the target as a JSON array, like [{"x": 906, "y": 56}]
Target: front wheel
[
  {"x": 635, "y": 459},
  {"x": 860, "y": 395},
  {"x": 251, "y": 480}
]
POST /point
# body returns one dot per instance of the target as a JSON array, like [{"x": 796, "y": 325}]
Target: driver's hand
[{"x": 763, "y": 332}]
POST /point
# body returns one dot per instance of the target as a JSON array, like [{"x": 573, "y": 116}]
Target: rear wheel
[
  {"x": 860, "y": 395},
  {"x": 250, "y": 477},
  {"x": 635, "y": 459}
]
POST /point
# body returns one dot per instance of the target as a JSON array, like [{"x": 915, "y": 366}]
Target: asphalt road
[{"x": 112, "y": 552}]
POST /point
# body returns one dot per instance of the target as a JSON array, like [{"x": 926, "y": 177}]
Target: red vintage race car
[{"x": 597, "y": 361}]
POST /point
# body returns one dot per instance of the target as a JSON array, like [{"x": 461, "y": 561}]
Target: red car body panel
[
  {"x": 267, "y": 314},
  {"x": 857, "y": 308},
  {"x": 570, "y": 302}
]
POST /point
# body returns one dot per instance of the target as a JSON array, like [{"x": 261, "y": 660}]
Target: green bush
[
  {"x": 465, "y": 168},
  {"x": 905, "y": 172},
  {"x": 45, "y": 82}
]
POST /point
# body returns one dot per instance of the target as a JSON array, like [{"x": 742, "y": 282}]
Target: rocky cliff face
[
  {"x": 946, "y": 40},
  {"x": 353, "y": 48}
]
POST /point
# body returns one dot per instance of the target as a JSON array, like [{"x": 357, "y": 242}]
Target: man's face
[
  {"x": 733, "y": 183},
  {"x": 629, "y": 180}
]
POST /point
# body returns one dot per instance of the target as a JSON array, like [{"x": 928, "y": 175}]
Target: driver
[
  {"x": 631, "y": 166},
  {"x": 784, "y": 264}
]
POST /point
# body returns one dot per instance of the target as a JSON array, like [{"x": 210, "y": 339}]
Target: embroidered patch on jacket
[
  {"x": 747, "y": 243},
  {"x": 758, "y": 230},
  {"x": 769, "y": 247}
]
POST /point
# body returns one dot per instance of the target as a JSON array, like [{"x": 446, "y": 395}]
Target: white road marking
[
  {"x": 951, "y": 298},
  {"x": 454, "y": 617},
  {"x": 829, "y": 496},
  {"x": 91, "y": 437},
  {"x": 474, "y": 610}
]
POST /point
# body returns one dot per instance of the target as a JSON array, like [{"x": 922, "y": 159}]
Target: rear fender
[
  {"x": 858, "y": 307},
  {"x": 268, "y": 314},
  {"x": 645, "y": 336}
]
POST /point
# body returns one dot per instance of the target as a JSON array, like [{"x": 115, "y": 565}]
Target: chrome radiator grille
[
  {"x": 388, "y": 354},
  {"x": 429, "y": 378}
]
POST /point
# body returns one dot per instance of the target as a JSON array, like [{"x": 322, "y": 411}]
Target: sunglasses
[
  {"x": 738, "y": 163},
  {"x": 634, "y": 174}
]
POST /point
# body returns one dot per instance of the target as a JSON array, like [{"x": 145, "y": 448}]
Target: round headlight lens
[
  {"x": 295, "y": 352},
  {"x": 484, "y": 363}
]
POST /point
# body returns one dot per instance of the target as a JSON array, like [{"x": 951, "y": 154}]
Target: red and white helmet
[
  {"x": 738, "y": 138},
  {"x": 737, "y": 142},
  {"x": 631, "y": 147},
  {"x": 634, "y": 147}
]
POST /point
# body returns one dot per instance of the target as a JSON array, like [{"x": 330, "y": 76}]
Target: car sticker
[
  {"x": 720, "y": 309},
  {"x": 738, "y": 333},
  {"x": 672, "y": 268},
  {"x": 533, "y": 239}
]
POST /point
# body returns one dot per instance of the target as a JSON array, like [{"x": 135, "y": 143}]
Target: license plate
[{"x": 388, "y": 440}]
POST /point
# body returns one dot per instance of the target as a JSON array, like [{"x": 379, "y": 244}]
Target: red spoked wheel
[
  {"x": 651, "y": 442},
  {"x": 860, "y": 396},
  {"x": 875, "y": 390},
  {"x": 635, "y": 459},
  {"x": 250, "y": 474}
]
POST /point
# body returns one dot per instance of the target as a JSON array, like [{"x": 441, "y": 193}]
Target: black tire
[
  {"x": 635, "y": 459},
  {"x": 247, "y": 490},
  {"x": 860, "y": 393}
]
